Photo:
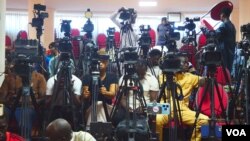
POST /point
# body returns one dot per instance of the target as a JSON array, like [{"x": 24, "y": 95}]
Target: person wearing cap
[
  {"x": 226, "y": 34},
  {"x": 161, "y": 31},
  {"x": 108, "y": 86}
]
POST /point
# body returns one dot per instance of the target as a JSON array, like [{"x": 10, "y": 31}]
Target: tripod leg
[{"x": 224, "y": 112}]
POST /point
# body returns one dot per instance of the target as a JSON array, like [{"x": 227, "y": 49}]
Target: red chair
[
  {"x": 153, "y": 37},
  {"x": 8, "y": 43},
  {"x": 22, "y": 35},
  {"x": 220, "y": 76},
  {"x": 75, "y": 32},
  {"x": 75, "y": 43},
  {"x": 191, "y": 50},
  {"x": 205, "y": 105},
  {"x": 117, "y": 39},
  {"x": 101, "y": 41}
]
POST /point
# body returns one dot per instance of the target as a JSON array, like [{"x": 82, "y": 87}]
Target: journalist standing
[
  {"x": 128, "y": 36},
  {"x": 226, "y": 34},
  {"x": 161, "y": 31}
]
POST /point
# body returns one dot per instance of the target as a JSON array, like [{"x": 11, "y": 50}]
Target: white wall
[{"x": 2, "y": 39}]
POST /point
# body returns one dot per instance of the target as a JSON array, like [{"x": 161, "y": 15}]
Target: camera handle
[{"x": 171, "y": 87}]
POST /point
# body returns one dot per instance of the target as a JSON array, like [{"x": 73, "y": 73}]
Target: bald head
[{"x": 59, "y": 129}]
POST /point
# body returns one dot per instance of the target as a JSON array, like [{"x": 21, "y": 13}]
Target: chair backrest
[
  {"x": 8, "y": 42},
  {"x": 101, "y": 40},
  {"x": 205, "y": 105},
  {"x": 75, "y": 32},
  {"x": 191, "y": 50},
  {"x": 153, "y": 37},
  {"x": 22, "y": 35},
  {"x": 221, "y": 76}
]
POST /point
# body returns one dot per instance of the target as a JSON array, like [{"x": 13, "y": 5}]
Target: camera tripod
[
  {"x": 132, "y": 125},
  {"x": 175, "y": 115},
  {"x": 113, "y": 53},
  {"x": 63, "y": 103},
  {"x": 24, "y": 70},
  {"x": 211, "y": 91},
  {"x": 242, "y": 87}
]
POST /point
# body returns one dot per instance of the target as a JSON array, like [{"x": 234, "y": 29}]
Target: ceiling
[{"x": 100, "y": 6}]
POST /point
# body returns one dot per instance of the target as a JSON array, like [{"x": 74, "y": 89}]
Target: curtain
[{"x": 15, "y": 22}]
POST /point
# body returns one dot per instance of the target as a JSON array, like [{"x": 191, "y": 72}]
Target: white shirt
[
  {"x": 77, "y": 86},
  {"x": 156, "y": 69},
  {"x": 149, "y": 83},
  {"x": 82, "y": 136}
]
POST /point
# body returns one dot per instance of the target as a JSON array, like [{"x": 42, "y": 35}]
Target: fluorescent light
[{"x": 147, "y": 3}]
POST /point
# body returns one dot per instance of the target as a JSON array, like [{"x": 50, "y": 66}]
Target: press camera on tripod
[
  {"x": 244, "y": 44},
  {"x": 129, "y": 58},
  {"x": 127, "y": 14},
  {"x": 39, "y": 17},
  {"x": 145, "y": 39},
  {"x": 189, "y": 28},
  {"x": 88, "y": 26},
  {"x": 171, "y": 38},
  {"x": 210, "y": 56}
]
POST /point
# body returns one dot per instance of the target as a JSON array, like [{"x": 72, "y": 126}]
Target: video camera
[
  {"x": 145, "y": 39},
  {"x": 210, "y": 56},
  {"x": 190, "y": 30},
  {"x": 245, "y": 29},
  {"x": 66, "y": 28},
  {"x": 39, "y": 16},
  {"x": 64, "y": 44},
  {"x": 129, "y": 55},
  {"x": 111, "y": 31},
  {"x": 127, "y": 14},
  {"x": 88, "y": 26},
  {"x": 171, "y": 62}
]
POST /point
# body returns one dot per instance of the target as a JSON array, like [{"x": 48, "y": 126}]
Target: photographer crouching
[{"x": 128, "y": 17}]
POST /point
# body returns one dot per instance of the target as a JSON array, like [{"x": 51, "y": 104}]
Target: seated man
[
  {"x": 188, "y": 82},
  {"x": 63, "y": 94},
  {"x": 107, "y": 89},
  {"x": 18, "y": 102},
  {"x": 60, "y": 130},
  {"x": 148, "y": 82}
]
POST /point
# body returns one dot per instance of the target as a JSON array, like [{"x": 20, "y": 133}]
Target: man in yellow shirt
[{"x": 188, "y": 82}]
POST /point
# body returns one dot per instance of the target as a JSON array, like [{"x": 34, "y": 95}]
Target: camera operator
[
  {"x": 108, "y": 87},
  {"x": 148, "y": 82},
  {"x": 128, "y": 36},
  {"x": 162, "y": 30},
  {"x": 55, "y": 62},
  {"x": 153, "y": 62},
  {"x": 226, "y": 34},
  {"x": 12, "y": 88},
  {"x": 188, "y": 82}
]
